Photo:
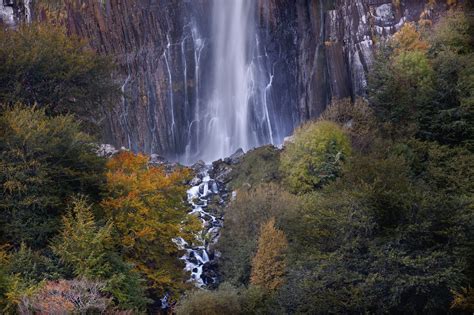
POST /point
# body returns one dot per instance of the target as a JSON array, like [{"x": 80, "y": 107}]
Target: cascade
[
  {"x": 196, "y": 254},
  {"x": 236, "y": 110}
]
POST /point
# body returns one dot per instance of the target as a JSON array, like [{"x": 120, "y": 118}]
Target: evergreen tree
[
  {"x": 90, "y": 251},
  {"x": 44, "y": 161}
]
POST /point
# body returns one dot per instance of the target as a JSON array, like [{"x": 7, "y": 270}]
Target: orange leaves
[
  {"x": 409, "y": 39},
  {"x": 146, "y": 205},
  {"x": 67, "y": 297},
  {"x": 269, "y": 263}
]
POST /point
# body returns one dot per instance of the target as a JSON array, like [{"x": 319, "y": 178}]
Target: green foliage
[
  {"x": 43, "y": 162},
  {"x": 384, "y": 237},
  {"x": 427, "y": 90},
  {"x": 260, "y": 165},
  {"x": 33, "y": 267},
  {"x": 315, "y": 156},
  {"x": 40, "y": 64},
  {"x": 244, "y": 216},
  {"x": 82, "y": 244},
  {"x": 357, "y": 119},
  {"x": 89, "y": 250},
  {"x": 224, "y": 300}
]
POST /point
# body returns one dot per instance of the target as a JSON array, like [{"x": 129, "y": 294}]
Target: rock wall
[
  {"x": 316, "y": 50},
  {"x": 336, "y": 41}
]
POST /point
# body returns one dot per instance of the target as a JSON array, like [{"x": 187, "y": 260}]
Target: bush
[
  {"x": 67, "y": 296},
  {"x": 224, "y": 300},
  {"x": 260, "y": 165},
  {"x": 315, "y": 156}
]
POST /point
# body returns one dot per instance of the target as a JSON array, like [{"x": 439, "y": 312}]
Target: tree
[
  {"x": 82, "y": 244},
  {"x": 146, "y": 206},
  {"x": 44, "y": 161},
  {"x": 269, "y": 265},
  {"x": 423, "y": 87},
  {"x": 357, "y": 118},
  {"x": 40, "y": 64},
  {"x": 90, "y": 250},
  {"x": 315, "y": 156},
  {"x": 409, "y": 39},
  {"x": 389, "y": 236},
  {"x": 244, "y": 217}
]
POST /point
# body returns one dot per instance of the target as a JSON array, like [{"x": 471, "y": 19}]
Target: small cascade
[{"x": 199, "y": 256}]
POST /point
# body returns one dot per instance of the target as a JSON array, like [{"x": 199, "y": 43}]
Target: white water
[
  {"x": 196, "y": 254},
  {"x": 228, "y": 109}
]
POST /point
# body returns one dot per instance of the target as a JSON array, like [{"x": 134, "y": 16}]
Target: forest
[{"x": 367, "y": 209}]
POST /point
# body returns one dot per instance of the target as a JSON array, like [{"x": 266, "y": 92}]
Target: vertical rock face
[
  {"x": 162, "y": 50},
  {"x": 308, "y": 52},
  {"x": 336, "y": 45}
]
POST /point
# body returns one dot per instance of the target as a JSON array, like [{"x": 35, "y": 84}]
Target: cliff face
[
  {"x": 313, "y": 50},
  {"x": 336, "y": 44}
]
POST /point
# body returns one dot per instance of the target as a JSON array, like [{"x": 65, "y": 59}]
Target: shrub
[
  {"x": 356, "y": 118},
  {"x": 260, "y": 165},
  {"x": 315, "y": 156},
  {"x": 67, "y": 296},
  {"x": 224, "y": 300}
]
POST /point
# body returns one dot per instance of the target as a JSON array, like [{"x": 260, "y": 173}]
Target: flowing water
[
  {"x": 237, "y": 109},
  {"x": 198, "y": 255}
]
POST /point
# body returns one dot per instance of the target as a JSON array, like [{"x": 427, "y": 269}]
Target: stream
[{"x": 203, "y": 197}]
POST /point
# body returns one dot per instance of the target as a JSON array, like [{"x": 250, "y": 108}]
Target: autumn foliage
[
  {"x": 269, "y": 264},
  {"x": 147, "y": 209},
  {"x": 66, "y": 297}
]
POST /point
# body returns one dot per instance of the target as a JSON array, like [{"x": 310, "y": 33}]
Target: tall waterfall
[
  {"x": 228, "y": 127},
  {"x": 236, "y": 112}
]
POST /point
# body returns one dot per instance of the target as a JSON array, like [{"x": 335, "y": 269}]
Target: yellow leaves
[
  {"x": 147, "y": 207},
  {"x": 269, "y": 263},
  {"x": 463, "y": 300},
  {"x": 409, "y": 39},
  {"x": 127, "y": 162}
]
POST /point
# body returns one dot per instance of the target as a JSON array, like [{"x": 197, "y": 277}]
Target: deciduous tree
[
  {"x": 146, "y": 206},
  {"x": 269, "y": 263}
]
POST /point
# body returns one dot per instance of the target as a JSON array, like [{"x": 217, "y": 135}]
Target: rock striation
[{"x": 311, "y": 51}]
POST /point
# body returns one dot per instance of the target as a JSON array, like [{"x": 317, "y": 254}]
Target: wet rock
[
  {"x": 235, "y": 157},
  {"x": 221, "y": 171},
  {"x": 199, "y": 166},
  {"x": 107, "y": 150},
  {"x": 195, "y": 181},
  {"x": 157, "y": 159}
]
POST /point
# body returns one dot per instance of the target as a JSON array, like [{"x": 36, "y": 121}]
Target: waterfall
[
  {"x": 236, "y": 109},
  {"x": 228, "y": 128}
]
